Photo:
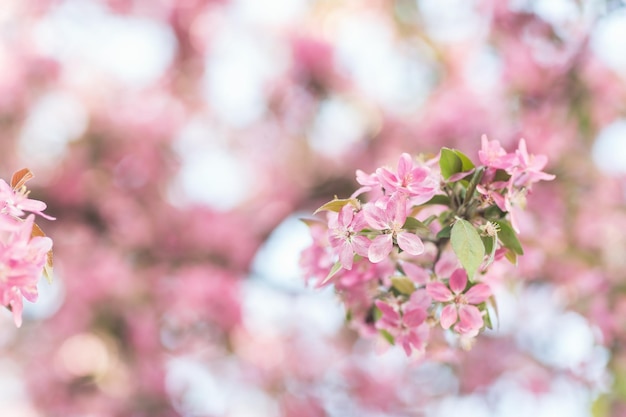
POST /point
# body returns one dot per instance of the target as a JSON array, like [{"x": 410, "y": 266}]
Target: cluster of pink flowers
[
  {"x": 411, "y": 257},
  {"x": 25, "y": 251}
]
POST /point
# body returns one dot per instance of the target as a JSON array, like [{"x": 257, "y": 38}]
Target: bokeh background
[{"x": 178, "y": 142}]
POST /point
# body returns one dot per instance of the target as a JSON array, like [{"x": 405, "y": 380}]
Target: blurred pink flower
[
  {"x": 492, "y": 155},
  {"x": 460, "y": 305},
  {"x": 16, "y": 202},
  {"x": 529, "y": 168},
  {"x": 406, "y": 322},
  {"x": 410, "y": 180},
  {"x": 344, "y": 228},
  {"x": 22, "y": 259},
  {"x": 389, "y": 219}
]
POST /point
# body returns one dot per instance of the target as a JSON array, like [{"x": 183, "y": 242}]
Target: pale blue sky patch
[
  {"x": 608, "y": 41},
  {"x": 609, "y": 149},
  {"x": 239, "y": 67},
  {"x": 210, "y": 173},
  {"x": 55, "y": 119},
  {"x": 338, "y": 126},
  {"x": 391, "y": 73},
  {"x": 90, "y": 40}
]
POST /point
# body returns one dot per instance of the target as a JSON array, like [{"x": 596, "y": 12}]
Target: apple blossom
[
  {"x": 389, "y": 219},
  {"x": 344, "y": 237},
  {"x": 460, "y": 304},
  {"x": 25, "y": 251},
  {"x": 477, "y": 219}
]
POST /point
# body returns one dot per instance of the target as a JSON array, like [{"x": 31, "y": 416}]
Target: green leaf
[
  {"x": 508, "y": 237},
  {"x": 445, "y": 232},
  {"x": 471, "y": 186},
  {"x": 601, "y": 407},
  {"x": 490, "y": 243},
  {"x": 450, "y": 163},
  {"x": 501, "y": 175},
  {"x": 336, "y": 204},
  {"x": 376, "y": 313},
  {"x": 453, "y": 161},
  {"x": 312, "y": 222},
  {"x": 511, "y": 256},
  {"x": 403, "y": 284},
  {"x": 493, "y": 212},
  {"x": 488, "y": 323},
  {"x": 466, "y": 163},
  {"x": 332, "y": 272},
  {"x": 441, "y": 199},
  {"x": 491, "y": 301},
  {"x": 467, "y": 246},
  {"x": 429, "y": 219},
  {"x": 619, "y": 381},
  {"x": 412, "y": 223},
  {"x": 387, "y": 336}
]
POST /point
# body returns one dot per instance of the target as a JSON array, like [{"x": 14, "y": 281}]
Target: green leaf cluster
[{"x": 453, "y": 161}]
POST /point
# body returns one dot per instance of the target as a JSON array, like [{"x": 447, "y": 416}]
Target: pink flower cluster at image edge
[{"x": 23, "y": 255}]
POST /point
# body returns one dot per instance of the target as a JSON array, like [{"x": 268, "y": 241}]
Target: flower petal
[
  {"x": 416, "y": 273},
  {"x": 361, "y": 244},
  {"x": 414, "y": 318},
  {"x": 405, "y": 165},
  {"x": 418, "y": 337},
  {"x": 345, "y": 215},
  {"x": 413, "y": 340},
  {"x": 447, "y": 264},
  {"x": 390, "y": 315},
  {"x": 366, "y": 179},
  {"x": 397, "y": 206},
  {"x": 420, "y": 299},
  {"x": 406, "y": 345},
  {"x": 388, "y": 179},
  {"x": 419, "y": 174},
  {"x": 458, "y": 280},
  {"x": 380, "y": 248},
  {"x": 375, "y": 217},
  {"x": 346, "y": 255},
  {"x": 469, "y": 318},
  {"x": 439, "y": 292},
  {"x": 410, "y": 243},
  {"x": 478, "y": 293},
  {"x": 448, "y": 316}
]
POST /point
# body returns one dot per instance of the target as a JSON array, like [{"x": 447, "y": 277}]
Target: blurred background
[{"x": 178, "y": 142}]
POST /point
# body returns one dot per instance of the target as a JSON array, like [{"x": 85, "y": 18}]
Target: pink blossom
[
  {"x": 368, "y": 183},
  {"x": 409, "y": 179},
  {"x": 16, "y": 202},
  {"x": 460, "y": 305},
  {"x": 511, "y": 200},
  {"x": 22, "y": 259},
  {"x": 406, "y": 322},
  {"x": 416, "y": 273},
  {"x": 492, "y": 155},
  {"x": 529, "y": 169},
  {"x": 316, "y": 260},
  {"x": 447, "y": 264},
  {"x": 514, "y": 204},
  {"x": 343, "y": 235},
  {"x": 493, "y": 193},
  {"x": 390, "y": 220}
]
